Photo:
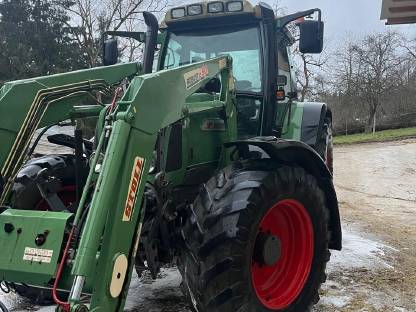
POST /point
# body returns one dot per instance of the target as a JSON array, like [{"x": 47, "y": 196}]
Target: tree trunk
[{"x": 371, "y": 122}]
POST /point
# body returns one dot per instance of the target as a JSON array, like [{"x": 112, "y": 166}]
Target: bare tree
[
  {"x": 92, "y": 18},
  {"x": 278, "y": 8},
  {"x": 375, "y": 62},
  {"x": 410, "y": 47},
  {"x": 308, "y": 72}
]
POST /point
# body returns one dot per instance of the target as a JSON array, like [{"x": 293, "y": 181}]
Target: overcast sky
[{"x": 346, "y": 17}]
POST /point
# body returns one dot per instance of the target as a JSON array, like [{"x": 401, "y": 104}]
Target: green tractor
[{"x": 209, "y": 162}]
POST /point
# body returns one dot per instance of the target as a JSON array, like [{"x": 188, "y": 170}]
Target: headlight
[
  {"x": 195, "y": 9},
  {"x": 235, "y": 6},
  {"x": 178, "y": 13},
  {"x": 215, "y": 7}
]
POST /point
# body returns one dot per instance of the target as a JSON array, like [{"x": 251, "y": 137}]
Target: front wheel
[{"x": 257, "y": 240}]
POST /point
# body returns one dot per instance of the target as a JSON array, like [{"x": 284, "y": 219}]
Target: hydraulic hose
[{"x": 64, "y": 305}]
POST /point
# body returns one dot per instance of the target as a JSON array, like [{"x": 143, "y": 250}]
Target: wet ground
[{"x": 376, "y": 271}]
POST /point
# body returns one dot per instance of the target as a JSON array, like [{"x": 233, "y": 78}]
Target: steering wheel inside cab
[{"x": 212, "y": 87}]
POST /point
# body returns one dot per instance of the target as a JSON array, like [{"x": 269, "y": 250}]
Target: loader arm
[
  {"x": 105, "y": 256},
  {"x": 26, "y": 105},
  {"x": 142, "y": 112}
]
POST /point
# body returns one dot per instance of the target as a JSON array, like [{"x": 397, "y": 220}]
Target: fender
[
  {"x": 301, "y": 154},
  {"x": 313, "y": 121}
]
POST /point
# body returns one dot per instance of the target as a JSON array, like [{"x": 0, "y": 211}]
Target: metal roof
[{"x": 399, "y": 11}]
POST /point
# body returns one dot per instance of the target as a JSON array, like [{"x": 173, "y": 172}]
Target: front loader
[{"x": 209, "y": 162}]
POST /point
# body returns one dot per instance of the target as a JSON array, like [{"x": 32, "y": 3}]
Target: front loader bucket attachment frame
[{"x": 111, "y": 232}]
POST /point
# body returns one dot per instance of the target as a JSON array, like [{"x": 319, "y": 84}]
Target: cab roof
[{"x": 210, "y": 10}]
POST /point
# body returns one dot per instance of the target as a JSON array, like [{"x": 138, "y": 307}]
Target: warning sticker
[
  {"x": 195, "y": 76},
  {"x": 136, "y": 175},
  {"x": 38, "y": 255}
]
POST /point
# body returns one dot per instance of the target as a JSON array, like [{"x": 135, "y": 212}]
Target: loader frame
[{"x": 130, "y": 137}]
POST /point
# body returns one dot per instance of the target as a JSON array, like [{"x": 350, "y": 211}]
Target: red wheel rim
[{"x": 279, "y": 285}]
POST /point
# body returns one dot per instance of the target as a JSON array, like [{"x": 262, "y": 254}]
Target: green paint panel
[
  {"x": 293, "y": 129},
  {"x": 21, "y": 260}
]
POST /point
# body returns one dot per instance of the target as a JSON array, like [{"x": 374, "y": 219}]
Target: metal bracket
[{"x": 48, "y": 187}]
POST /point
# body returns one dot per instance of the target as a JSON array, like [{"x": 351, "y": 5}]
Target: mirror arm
[
  {"x": 139, "y": 36},
  {"x": 281, "y": 22}
]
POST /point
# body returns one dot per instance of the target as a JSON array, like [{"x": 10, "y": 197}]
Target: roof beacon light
[
  {"x": 178, "y": 13},
  {"x": 235, "y": 6},
  {"x": 215, "y": 7},
  {"x": 195, "y": 9}
]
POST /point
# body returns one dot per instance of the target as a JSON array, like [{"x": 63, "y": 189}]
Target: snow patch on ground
[
  {"x": 162, "y": 294},
  {"x": 359, "y": 252},
  {"x": 337, "y": 302}
]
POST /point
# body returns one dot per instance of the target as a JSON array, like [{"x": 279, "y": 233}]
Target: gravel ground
[{"x": 376, "y": 271}]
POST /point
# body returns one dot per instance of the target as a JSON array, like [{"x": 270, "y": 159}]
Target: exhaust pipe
[{"x": 151, "y": 41}]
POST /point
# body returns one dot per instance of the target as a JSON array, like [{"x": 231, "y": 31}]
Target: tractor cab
[{"x": 255, "y": 39}]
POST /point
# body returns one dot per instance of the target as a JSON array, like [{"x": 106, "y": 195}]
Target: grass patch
[{"x": 379, "y": 136}]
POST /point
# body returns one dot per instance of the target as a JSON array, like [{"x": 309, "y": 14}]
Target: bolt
[
  {"x": 185, "y": 111},
  {"x": 130, "y": 116}
]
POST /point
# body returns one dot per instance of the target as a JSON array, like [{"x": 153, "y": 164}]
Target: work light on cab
[
  {"x": 215, "y": 7},
  {"x": 235, "y": 6},
  {"x": 195, "y": 10},
  {"x": 178, "y": 13}
]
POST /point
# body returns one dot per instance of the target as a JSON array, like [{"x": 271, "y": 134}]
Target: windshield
[{"x": 243, "y": 45}]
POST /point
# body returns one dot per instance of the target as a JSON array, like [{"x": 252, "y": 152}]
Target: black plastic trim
[
  {"x": 174, "y": 157},
  {"x": 312, "y": 122}
]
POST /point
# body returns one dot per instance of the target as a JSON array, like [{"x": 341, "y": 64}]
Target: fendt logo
[
  {"x": 136, "y": 175},
  {"x": 195, "y": 76}
]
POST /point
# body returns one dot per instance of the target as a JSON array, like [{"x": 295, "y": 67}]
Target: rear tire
[
  {"x": 25, "y": 193},
  {"x": 221, "y": 234}
]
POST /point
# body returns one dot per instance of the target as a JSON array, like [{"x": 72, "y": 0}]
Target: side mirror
[
  {"x": 311, "y": 36},
  {"x": 110, "y": 52}
]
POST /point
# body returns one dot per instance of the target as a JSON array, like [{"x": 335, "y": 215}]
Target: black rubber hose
[{"x": 32, "y": 149}]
